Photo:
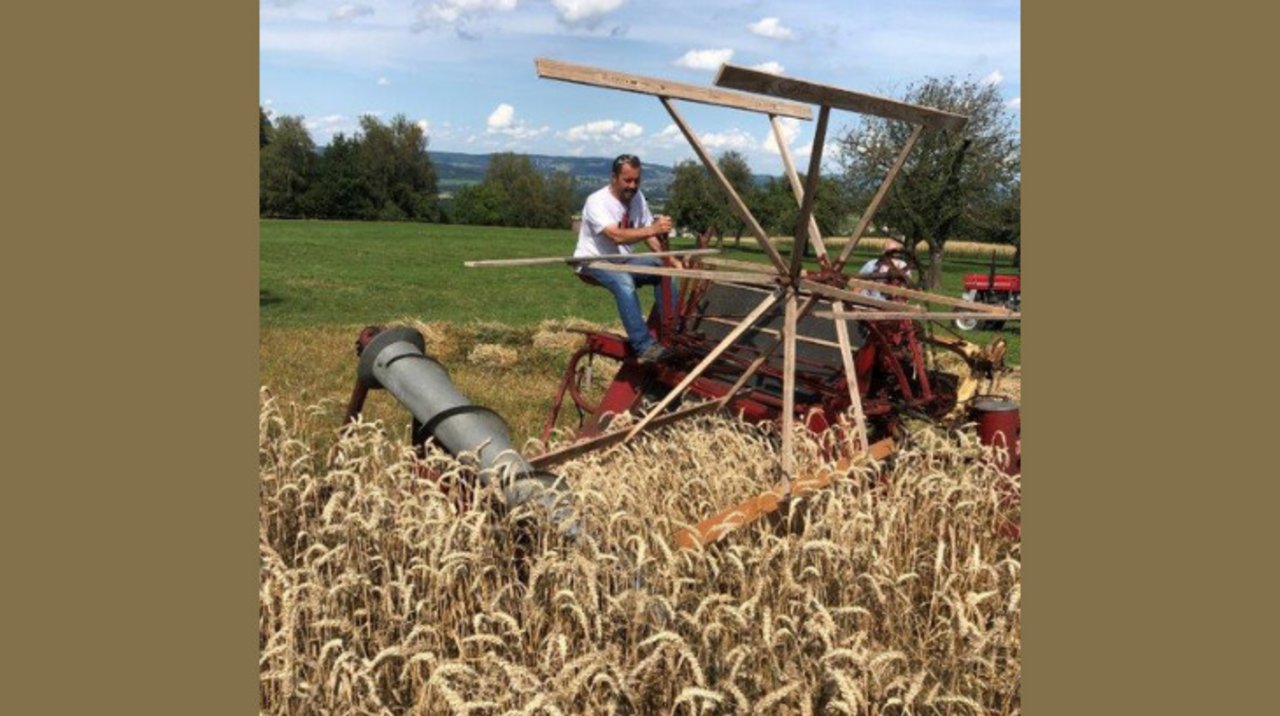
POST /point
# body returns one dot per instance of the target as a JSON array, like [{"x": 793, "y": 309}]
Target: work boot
[{"x": 653, "y": 354}]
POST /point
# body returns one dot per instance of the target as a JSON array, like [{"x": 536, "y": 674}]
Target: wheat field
[{"x": 380, "y": 594}]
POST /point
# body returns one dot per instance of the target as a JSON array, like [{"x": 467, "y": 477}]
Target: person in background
[{"x": 887, "y": 263}]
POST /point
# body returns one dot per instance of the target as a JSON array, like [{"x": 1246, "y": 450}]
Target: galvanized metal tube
[{"x": 396, "y": 360}]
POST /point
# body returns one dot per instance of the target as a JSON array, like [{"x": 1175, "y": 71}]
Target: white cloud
[
  {"x": 577, "y": 11},
  {"x": 323, "y": 128},
  {"x": 705, "y": 59},
  {"x": 351, "y": 11},
  {"x": 994, "y": 78},
  {"x": 1015, "y": 104},
  {"x": 604, "y": 130},
  {"x": 772, "y": 28},
  {"x": 668, "y": 138},
  {"x": 450, "y": 11},
  {"x": 790, "y": 129},
  {"x": 503, "y": 121},
  {"x": 384, "y": 82},
  {"x": 770, "y": 66},
  {"x": 501, "y": 117},
  {"x": 425, "y": 126},
  {"x": 732, "y": 139}
]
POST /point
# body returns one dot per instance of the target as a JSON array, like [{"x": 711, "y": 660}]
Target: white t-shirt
[
  {"x": 604, "y": 209},
  {"x": 873, "y": 267}
]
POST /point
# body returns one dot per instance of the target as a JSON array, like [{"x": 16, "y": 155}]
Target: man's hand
[{"x": 661, "y": 225}]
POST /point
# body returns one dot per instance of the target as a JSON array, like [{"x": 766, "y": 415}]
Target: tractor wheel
[{"x": 967, "y": 324}]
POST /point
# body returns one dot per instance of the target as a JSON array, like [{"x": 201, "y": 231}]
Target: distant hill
[{"x": 456, "y": 169}]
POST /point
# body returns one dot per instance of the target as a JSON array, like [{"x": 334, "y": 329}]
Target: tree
[
  {"x": 286, "y": 166},
  {"x": 512, "y": 177},
  {"x": 264, "y": 127},
  {"x": 735, "y": 169},
  {"x": 697, "y": 202},
  {"x": 951, "y": 182},
  {"x": 339, "y": 190},
  {"x": 477, "y": 204},
  {"x": 560, "y": 201},
  {"x": 689, "y": 200},
  {"x": 777, "y": 210},
  {"x": 397, "y": 170}
]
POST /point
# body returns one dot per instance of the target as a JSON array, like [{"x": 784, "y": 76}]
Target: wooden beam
[
  {"x": 926, "y": 316},
  {"x": 552, "y": 260},
  {"x": 876, "y": 200},
  {"x": 717, "y": 526},
  {"x": 850, "y": 374},
  {"x": 749, "y": 80},
  {"x": 824, "y": 259},
  {"x": 597, "y": 77},
  {"x": 702, "y": 274},
  {"x": 569, "y": 452},
  {"x": 735, "y": 201},
  {"x": 801, "y": 232},
  {"x": 710, "y": 358},
  {"x": 788, "y": 391},
  {"x": 835, "y": 293},
  {"x": 925, "y": 296}
]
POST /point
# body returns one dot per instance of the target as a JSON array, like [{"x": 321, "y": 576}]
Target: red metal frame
[{"x": 890, "y": 368}]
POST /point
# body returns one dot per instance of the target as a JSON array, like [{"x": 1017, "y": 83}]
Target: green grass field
[{"x": 353, "y": 273}]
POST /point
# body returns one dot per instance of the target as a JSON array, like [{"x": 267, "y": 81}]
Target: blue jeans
[{"x": 623, "y": 288}]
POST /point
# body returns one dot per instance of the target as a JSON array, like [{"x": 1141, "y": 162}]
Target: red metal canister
[{"x": 1000, "y": 425}]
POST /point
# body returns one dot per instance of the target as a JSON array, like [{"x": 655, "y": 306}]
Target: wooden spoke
[
  {"x": 736, "y": 276},
  {"x": 710, "y": 358},
  {"x": 925, "y": 316},
  {"x": 788, "y": 391},
  {"x": 810, "y": 194},
  {"x": 876, "y": 200},
  {"x": 925, "y": 296},
  {"x": 773, "y": 332},
  {"x": 760, "y": 360},
  {"x": 551, "y": 260},
  {"x": 842, "y": 295},
  {"x": 824, "y": 259},
  {"x": 850, "y": 374},
  {"x": 734, "y": 200},
  {"x": 600, "y": 441}
]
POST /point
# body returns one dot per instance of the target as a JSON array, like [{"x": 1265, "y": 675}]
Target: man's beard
[{"x": 628, "y": 193}]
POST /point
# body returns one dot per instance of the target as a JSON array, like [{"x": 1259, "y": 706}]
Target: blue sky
[{"x": 464, "y": 68}]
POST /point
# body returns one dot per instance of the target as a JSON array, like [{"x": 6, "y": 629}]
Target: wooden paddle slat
[
  {"x": 749, "y": 80},
  {"x": 597, "y": 77}
]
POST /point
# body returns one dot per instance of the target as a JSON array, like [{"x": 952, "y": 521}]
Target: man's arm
[{"x": 621, "y": 236}]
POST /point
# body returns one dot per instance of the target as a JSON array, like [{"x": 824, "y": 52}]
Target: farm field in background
[{"x": 325, "y": 273}]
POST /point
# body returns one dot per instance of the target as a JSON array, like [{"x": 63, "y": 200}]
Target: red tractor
[{"x": 1003, "y": 290}]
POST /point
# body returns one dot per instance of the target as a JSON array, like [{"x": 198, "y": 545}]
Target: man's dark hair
[{"x": 630, "y": 160}]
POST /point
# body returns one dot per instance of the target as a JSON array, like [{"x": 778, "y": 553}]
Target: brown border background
[
  {"x": 1143, "y": 540},
  {"x": 131, "y": 362},
  {"x": 130, "y": 529}
]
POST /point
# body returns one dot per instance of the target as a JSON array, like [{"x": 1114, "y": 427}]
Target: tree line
[
  {"x": 953, "y": 184},
  {"x": 383, "y": 173}
]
